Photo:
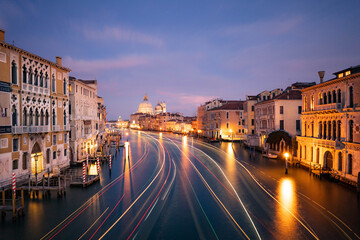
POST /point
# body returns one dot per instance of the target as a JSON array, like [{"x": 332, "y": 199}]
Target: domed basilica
[{"x": 146, "y": 107}]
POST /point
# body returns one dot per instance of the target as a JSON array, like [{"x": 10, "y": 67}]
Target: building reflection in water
[
  {"x": 92, "y": 169},
  {"x": 286, "y": 222}
]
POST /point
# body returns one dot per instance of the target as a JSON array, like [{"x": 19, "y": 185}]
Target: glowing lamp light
[{"x": 286, "y": 155}]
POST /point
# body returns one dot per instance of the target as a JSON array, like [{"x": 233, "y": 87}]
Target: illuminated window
[
  {"x": 347, "y": 73},
  {"x": 340, "y": 75}
]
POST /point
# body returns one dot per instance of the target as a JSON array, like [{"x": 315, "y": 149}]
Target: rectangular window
[
  {"x": 24, "y": 161},
  {"x": 97, "y": 126},
  {"x": 47, "y": 155},
  {"x": 243, "y": 122},
  {"x": 253, "y": 131},
  {"x": 281, "y": 109},
  {"x": 15, "y": 144},
  {"x": 54, "y": 154},
  {"x": 297, "y": 125},
  {"x": 65, "y": 152},
  {"x": 227, "y": 115},
  {"x": 281, "y": 124},
  {"x": 54, "y": 139},
  {"x": 239, "y": 123},
  {"x": 76, "y": 88},
  {"x": 252, "y": 108},
  {"x": 252, "y": 122},
  {"x": 299, "y": 109},
  {"x": 15, "y": 164}
]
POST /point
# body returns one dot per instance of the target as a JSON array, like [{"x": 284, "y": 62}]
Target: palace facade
[
  {"x": 330, "y": 121},
  {"x": 34, "y": 118}
]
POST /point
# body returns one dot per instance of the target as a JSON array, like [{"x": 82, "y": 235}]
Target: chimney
[
  {"x": 321, "y": 75},
  {"x": 2, "y": 35},
  {"x": 58, "y": 60}
]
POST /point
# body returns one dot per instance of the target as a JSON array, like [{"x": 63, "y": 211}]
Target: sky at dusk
[{"x": 187, "y": 52}]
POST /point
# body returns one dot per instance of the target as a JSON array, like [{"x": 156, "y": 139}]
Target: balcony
[
  {"x": 19, "y": 129},
  {"x": 38, "y": 129},
  {"x": 67, "y": 127},
  {"x": 35, "y": 89},
  {"x": 331, "y": 106},
  {"x": 55, "y": 128}
]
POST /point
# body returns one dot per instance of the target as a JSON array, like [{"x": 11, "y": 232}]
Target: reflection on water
[
  {"x": 286, "y": 223},
  {"x": 92, "y": 169},
  {"x": 230, "y": 163},
  {"x": 184, "y": 140}
]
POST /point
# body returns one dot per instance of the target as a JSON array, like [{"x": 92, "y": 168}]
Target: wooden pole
[
  {"x": 22, "y": 198},
  {"x": 14, "y": 207},
  {"x": 3, "y": 197}
]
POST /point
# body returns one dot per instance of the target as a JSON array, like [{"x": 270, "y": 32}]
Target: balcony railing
[
  {"x": 38, "y": 129},
  {"x": 35, "y": 89},
  {"x": 19, "y": 129},
  {"x": 67, "y": 128},
  {"x": 330, "y": 106},
  {"x": 55, "y": 128}
]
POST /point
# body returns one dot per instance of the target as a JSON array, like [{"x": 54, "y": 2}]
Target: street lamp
[
  {"x": 36, "y": 159},
  {"x": 286, "y": 155}
]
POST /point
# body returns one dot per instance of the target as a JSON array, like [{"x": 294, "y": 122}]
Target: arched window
[
  {"x": 14, "y": 116},
  {"x": 305, "y": 129},
  {"x": 64, "y": 86},
  {"x": 312, "y": 154},
  {"x": 333, "y": 130},
  {"x": 312, "y": 103},
  {"x": 339, "y": 95},
  {"x": 329, "y": 130},
  {"x": 340, "y": 162},
  {"x": 42, "y": 117},
  {"x": 325, "y": 98},
  {"x": 54, "y": 117},
  {"x": 25, "y": 122},
  {"x": 349, "y": 166},
  {"x": 46, "y": 80},
  {"x": 41, "y": 79},
  {"x": 351, "y": 130},
  {"x": 320, "y": 129},
  {"x": 334, "y": 96},
  {"x": 31, "y": 115},
  {"x": 320, "y": 99},
  {"x": 305, "y": 104},
  {"x": 46, "y": 118},
  {"x": 53, "y": 82},
  {"x": 324, "y": 136},
  {"x": 339, "y": 130},
  {"x": 317, "y": 155},
  {"x": 64, "y": 117},
  {"x": 13, "y": 73},
  {"x": 36, "y": 78},
  {"x": 351, "y": 97},
  {"x": 30, "y": 76},
  {"x": 36, "y": 117},
  {"x": 312, "y": 129},
  {"x": 305, "y": 152},
  {"x": 300, "y": 151},
  {"x": 329, "y": 97},
  {"x": 24, "y": 160},
  {"x": 24, "y": 74}
]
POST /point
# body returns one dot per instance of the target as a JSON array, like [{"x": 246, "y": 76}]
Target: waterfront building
[
  {"x": 84, "y": 118},
  {"x": 281, "y": 112},
  {"x": 34, "y": 119},
  {"x": 219, "y": 119},
  {"x": 102, "y": 123},
  {"x": 330, "y": 119}
]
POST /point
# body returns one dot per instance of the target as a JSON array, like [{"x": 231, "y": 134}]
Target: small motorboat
[{"x": 270, "y": 155}]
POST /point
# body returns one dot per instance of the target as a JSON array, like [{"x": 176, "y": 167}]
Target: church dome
[
  {"x": 158, "y": 108},
  {"x": 145, "y": 106}
]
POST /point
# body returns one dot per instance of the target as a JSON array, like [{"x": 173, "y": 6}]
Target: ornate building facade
[
  {"x": 84, "y": 118},
  {"x": 331, "y": 124},
  {"x": 34, "y": 121}
]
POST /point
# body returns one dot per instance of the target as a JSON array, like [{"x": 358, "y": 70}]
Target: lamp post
[
  {"x": 286, "y": 155},
  {"x": 36, "y": 172}
]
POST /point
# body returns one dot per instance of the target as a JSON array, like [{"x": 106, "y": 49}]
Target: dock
[{"x": 77, "y": 181}]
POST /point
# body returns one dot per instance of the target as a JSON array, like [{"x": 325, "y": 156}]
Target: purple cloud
[{"x": 122, "y": 34}]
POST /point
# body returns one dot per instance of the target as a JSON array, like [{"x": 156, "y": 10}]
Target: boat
[{"x": 270, "y": 155}]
